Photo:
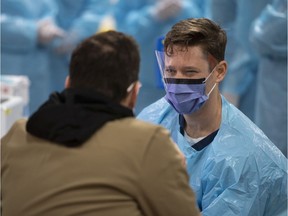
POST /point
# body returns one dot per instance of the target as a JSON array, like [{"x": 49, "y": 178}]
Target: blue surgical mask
[{"x": 186, "y": 95}]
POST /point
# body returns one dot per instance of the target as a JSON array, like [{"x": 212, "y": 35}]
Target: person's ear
[
  {"x": 67, "y": 82},
  {"x": 221, "y": 71},
  {"x": 134, "y": 94},
  {"x": 131, "y": 98}
]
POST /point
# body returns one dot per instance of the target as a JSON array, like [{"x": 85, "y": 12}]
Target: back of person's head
[
  {"x": 197, "y": 32},
  {"x": 107, "y": 62}
]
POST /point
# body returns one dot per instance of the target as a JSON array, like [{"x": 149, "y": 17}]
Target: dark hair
[
  {"x": 197, "y": 31},
  {"x": 107, "y": 62}
]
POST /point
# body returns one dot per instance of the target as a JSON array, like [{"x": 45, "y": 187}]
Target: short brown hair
[
  {"x": 197, "y": 31},
  {"x": 107, "y": 62}
]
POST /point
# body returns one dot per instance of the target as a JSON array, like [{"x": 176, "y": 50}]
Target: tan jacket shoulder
[
  {"x": 133, "y": 163},
  {"x": 163, "y": 181}
]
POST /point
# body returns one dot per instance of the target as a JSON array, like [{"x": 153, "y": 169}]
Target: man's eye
[
  {"x": 190, "y": 73},
  {"x": 170, "y": 71}
]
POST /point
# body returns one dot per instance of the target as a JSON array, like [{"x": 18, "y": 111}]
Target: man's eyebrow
[
  {"x": 184, "y": 68},
  {"x": 190, "y": 68},
  {"x": 169, "y": 67}
]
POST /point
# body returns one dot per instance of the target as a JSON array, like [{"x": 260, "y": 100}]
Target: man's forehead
[
  {"x": 191, "y": 54},
  {"x": 186, "y": 51}
]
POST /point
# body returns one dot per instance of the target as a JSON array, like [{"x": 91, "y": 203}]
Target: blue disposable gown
[
  {"x": 21, "y": 54},
  {"x": 236, "y": 16},
  {"x": 79, "y": 19},
  {"x": 240, "y": 173},
  {"x": 269, "y": 37}
]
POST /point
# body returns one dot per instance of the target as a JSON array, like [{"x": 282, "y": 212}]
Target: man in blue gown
[{"x": 234, "y": 168}]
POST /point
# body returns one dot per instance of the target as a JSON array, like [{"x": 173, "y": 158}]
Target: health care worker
[
  {"x": 233, "y": 167},
  {"x": 78, "y": 20},
  {"x": 23, "y": 41},
  {"x": 269, "y": 38}
]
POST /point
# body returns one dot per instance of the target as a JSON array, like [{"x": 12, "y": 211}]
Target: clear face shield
[
  {"x": 186, "y": 95},
  {"x": 162, "y": 59},
  {"x": 160, "y": 56},
  {"x": 166, "y": 73}
]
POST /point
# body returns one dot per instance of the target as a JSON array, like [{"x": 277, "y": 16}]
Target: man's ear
[
  {"x": 134, "y": 94},
  {"x": 67, "y": 82},
  {"x": 221, "y": 71},
  {"x": 131, "y": 98}
]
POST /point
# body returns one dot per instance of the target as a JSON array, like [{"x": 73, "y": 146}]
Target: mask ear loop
[
  {"x": 129, "y": 89},
  {"x": 136, "y": 84},
  {"x": 211, "y": 89},
  {"x": 208, "y": 78}
]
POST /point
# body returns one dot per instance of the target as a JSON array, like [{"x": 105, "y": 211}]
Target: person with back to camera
[
  {"x": 234, "y": 168},
  {"x": 84, "y": 153}
]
